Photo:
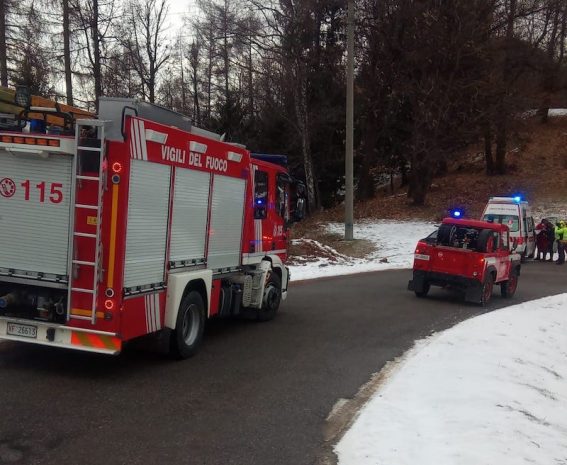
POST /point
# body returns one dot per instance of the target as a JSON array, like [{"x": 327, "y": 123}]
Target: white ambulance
[{"x": 516, "y": 214}]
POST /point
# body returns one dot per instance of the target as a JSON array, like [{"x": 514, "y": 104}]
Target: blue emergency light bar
[{"x": 271, "y": 158}]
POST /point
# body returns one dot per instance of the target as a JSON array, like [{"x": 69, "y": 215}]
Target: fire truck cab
[{"x": 134, "y": 223}]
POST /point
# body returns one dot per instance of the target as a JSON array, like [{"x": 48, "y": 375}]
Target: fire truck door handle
[{"x": 124, "y": 117}]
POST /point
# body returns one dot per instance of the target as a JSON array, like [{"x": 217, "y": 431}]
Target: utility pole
[{"x": 349, "y": 183}]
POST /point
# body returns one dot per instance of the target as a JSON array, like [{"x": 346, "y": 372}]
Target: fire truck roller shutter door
[
  {"x": 35, "y": 212},
  {"x": 146, "y": 236},
  {"x": 227, "y": 215},
  {"x": 189, "y": 216}
]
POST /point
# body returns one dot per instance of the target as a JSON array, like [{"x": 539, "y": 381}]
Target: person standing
[
  {"x": 561, "y": 237},
  {"x": 542, "y": 240},
  {"x": 551, "y": 238}
]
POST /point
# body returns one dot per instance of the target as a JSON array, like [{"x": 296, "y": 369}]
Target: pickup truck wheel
[
  {"x": 424, "y": 290},
  {"x": 189, "y": 327},
  {"x": 508, "y": 288},
  {"x": 487, "y": 286}
]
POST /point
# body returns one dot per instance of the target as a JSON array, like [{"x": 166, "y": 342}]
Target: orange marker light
[
  {"x": 108, "y": 304},
  {"x": 117, "y": 167}
]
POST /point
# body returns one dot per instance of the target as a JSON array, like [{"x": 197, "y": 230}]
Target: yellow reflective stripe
[
  {"x": 82, "y": 312},
  {"x": 112, "y": 251}
]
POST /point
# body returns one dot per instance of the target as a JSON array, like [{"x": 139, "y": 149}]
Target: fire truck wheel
[
  {"x": 487, "y": 286},
  {"x": 272, "y": 298},
  {"x": 189, "y": 327},
  {"x": 508, "y": 288}
]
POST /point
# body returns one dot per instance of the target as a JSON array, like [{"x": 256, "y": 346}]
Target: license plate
[{"x": 16, "y": 329}]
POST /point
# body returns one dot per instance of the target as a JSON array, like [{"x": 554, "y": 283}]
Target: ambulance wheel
[
  {"x": 487, "y": 287},
  {"x": 272, "y": 298},
  {"x": 508, "y": 288},
  {"x": 189, "y": 327}
]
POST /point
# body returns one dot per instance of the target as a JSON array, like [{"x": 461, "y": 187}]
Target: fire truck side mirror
[{"x": 299, "y": 211}]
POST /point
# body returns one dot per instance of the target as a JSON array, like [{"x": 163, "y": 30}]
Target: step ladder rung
[
  {"x": 84, "y": 291},
  {"x": 87, "y": 207},
  {"x": 80, "y": 234},
  {"x": 82, "y": 262},
  {"x": 80, "y": 317},
  {"x": 88, "y": 178}
]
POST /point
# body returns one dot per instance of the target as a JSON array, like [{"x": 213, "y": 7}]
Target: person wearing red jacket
[{"x": 543, "y": 240}]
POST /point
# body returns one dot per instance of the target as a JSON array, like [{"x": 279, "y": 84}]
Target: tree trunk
[
  {"x": 501, "y": 132},
  {"x": 67, "y": 52},
  {"x": 488, "y": 149},
  {"x": 365, "y": 188},
  {"x": 419, "y": 178},
  {"x": 97, "y": 71},
  {"x": 300, "y": 91},
  {"x": 3, "y": 49}
]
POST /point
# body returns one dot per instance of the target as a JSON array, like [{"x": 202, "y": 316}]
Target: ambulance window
[
  {"x": 260, "y": 195},
  {"x": 282, "y": 197},
  {"x": 505, "y": 240}
]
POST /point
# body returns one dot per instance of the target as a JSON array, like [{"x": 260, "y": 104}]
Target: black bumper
[{"x": 471, "y": 287}]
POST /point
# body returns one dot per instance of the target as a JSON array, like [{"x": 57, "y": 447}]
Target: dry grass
[{"x": 312, "y": 228}]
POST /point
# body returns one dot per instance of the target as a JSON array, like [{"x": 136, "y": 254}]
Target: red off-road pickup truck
[{"x": 469, "y": 255}]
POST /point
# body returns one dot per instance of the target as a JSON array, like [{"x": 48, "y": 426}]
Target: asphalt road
[{"x": 256, "y": 394}]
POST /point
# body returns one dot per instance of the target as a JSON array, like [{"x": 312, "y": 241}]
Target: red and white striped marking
[
  {"x": 153, "y": 314},
  {"x": 138, "y": 147}
]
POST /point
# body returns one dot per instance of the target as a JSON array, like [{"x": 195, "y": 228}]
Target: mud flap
[{"x": 416, "y": 284}]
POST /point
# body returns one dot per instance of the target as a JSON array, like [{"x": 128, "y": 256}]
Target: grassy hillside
[{"x": 537, "y": 161}]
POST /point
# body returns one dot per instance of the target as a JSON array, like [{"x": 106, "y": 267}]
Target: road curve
[{"x": 256, "y": 394}]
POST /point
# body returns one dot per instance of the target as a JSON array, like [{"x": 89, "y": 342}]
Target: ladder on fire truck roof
[{"x": 85, "y": 127}]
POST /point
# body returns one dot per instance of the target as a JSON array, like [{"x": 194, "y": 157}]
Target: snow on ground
[
  {"x": 550, "y": 113},
  {"x": 491, "y": 390},
  {"x": 395, "y": 243}
]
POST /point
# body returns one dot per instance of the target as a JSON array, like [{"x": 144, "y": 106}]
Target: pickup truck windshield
[{"x": 511, "y": 221}]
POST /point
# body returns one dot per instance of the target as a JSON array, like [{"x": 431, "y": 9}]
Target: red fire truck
[{"x": 133, "y": 223}]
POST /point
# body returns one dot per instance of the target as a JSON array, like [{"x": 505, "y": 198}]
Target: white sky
[{"x": 491, "y": 390}]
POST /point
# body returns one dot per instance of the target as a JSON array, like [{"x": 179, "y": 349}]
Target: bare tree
[
  {"x": 94, "y": 20},
  {"x": 67, "y": 51},
  {"x": 4, "y": 5},
  {"x": 146, "y": 41}
]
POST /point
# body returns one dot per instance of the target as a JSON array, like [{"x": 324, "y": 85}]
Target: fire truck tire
[
  {"x": 487, "y": 287},
  {"x": 188, "y": 334},
  {"x": 272, "y": 298},
  {"x": 508, "y": 288}
]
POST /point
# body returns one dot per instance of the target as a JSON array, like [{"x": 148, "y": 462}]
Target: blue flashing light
[
  {"x": 456, "y": 213},
  {"x": 259, "y": 202},
  {"x": 517, "y": 198}
]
